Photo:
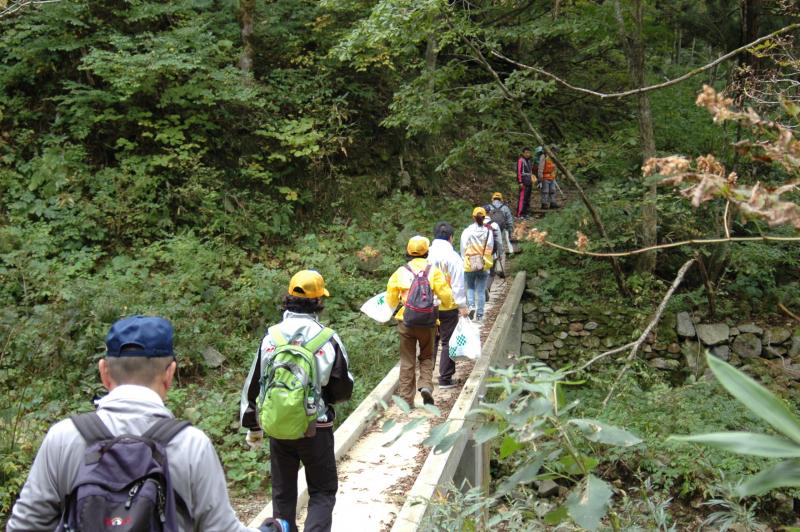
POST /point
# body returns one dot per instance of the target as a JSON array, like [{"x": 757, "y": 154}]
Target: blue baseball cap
[{"x": 143, "y": 336}]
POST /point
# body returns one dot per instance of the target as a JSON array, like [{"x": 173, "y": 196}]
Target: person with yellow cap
[
  {"x": 334, "y": 383},
  {"x": 418, "y": 287},
  {"x": 477, "y": 246},
  {"x": 501, "y": 214}
]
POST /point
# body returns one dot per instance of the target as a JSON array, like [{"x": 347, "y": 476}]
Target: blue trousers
[{"x": 476, "y": 287}]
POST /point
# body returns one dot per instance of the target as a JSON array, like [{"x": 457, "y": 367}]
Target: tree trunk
[
  {"x": 247, "y": 10},
  {"x": 430, "y": 62},
  {"x": 633, "y": 44},
  {"x": 750, "y": 13}
]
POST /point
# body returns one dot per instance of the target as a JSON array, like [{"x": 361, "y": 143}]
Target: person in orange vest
[{"x": 546, "y": 179}]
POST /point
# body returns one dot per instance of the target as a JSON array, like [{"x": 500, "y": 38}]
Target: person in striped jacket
[{"x": 525, "y": 181}]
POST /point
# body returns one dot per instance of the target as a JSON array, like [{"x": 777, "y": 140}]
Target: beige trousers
[{"x": 410, "y": 337}]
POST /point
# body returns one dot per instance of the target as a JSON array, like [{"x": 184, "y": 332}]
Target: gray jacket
[
  {"x": 194, "y": 467},
  {"x": 507, "y": 215}
]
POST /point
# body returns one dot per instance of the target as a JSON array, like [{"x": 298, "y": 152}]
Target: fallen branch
[
  {"x": 599, "y": 357},
  {"x": 563, "y": 169},
  {"x": 668, "y": 83},
  {"x": 659, "y": 311}
]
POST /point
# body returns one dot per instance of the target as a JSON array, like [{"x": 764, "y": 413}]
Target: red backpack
[{"x": 419, "y": 309}]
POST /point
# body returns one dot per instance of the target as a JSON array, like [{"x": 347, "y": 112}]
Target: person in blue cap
[{"x": 137, "y": 371}]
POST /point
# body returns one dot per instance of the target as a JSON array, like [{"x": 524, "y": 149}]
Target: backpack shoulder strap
[
  {"x": 91, "y": 427},
  {"x": 316, "y": 343},
  {"x": 277, "y": 336},
  {"x": 166, "y": 428}
]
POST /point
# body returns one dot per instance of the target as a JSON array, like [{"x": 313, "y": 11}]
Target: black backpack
[
  {"x": 419, "y": 309},
  {"x": 123, "y": 482}
]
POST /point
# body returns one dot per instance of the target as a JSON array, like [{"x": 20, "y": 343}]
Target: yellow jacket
[{"x": 401, "y": 279}]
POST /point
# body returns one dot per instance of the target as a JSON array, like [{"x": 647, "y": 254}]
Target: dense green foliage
[{"x": 143, "y": 171}]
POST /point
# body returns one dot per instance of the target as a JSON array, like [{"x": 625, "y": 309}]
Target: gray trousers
[{"x": 549, "y": 192}]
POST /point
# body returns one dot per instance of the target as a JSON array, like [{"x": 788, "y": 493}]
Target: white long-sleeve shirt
[
  {"x": 476, "y": 240},
  {"x": 442, "y": 255}
]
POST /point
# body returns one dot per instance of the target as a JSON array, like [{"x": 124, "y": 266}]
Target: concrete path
[{"x": 375, "y": 474}]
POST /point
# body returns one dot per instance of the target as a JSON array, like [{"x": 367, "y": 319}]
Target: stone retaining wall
[{"x": 558, "y": 334}]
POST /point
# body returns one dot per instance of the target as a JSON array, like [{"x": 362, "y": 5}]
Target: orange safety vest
[{"x": 549, "y": 172}]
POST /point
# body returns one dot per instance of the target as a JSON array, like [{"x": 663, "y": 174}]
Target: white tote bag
[
  {"x": 378, "y": 309},
  {"x": 466, "y": 340}
]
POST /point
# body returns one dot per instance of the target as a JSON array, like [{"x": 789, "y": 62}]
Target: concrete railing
[{"x": 465, "y": 460}]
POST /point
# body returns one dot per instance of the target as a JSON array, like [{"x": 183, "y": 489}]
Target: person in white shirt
[
  {"x": 442, "y": 255},
  {"x": 477, "y": 247}
]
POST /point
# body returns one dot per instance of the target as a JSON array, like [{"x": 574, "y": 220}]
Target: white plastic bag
[
  {"x": 378, "y": 309},
  {"x": 466, "y": 340}
]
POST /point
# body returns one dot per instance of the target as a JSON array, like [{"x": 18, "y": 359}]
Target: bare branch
[
  {"x": 675, "y": 81},
  {"x": 659, "y": 311},
  {"x": 693, "y": 242},
  {"x": 788, "y": 312},
  {"x": 13, "y": 7},
  {"x": 725, "y": 219}
]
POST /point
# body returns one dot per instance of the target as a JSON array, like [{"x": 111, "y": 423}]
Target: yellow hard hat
[
  {"x": 478, "y": 211},
  {"x": 308, "y": 284},
  {"x": 497, "y": 195},
  {"x": 418, "y": 246}
]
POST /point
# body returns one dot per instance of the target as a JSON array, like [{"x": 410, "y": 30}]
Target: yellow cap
[
  {"x": 478, "y": 211},
  {"x": 309, "y": 284},
  {"x": 418, "y": 246},
  {"x": 497, "y": 195}
]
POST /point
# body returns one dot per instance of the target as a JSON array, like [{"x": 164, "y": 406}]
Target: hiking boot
[
  {"x": 273, "y": 524},
  {"x": 446, "y": 385},
  {"x": 427, "y": 396}
]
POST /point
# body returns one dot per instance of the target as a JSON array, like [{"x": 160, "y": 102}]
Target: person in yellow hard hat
[
  {"x": 419, "y": 287},
  {"x": 300, "y": 326},
  {"x": 477, "y": 246}
]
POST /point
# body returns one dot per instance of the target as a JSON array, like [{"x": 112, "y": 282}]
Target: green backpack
[{"x": 287, "y": 404}]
